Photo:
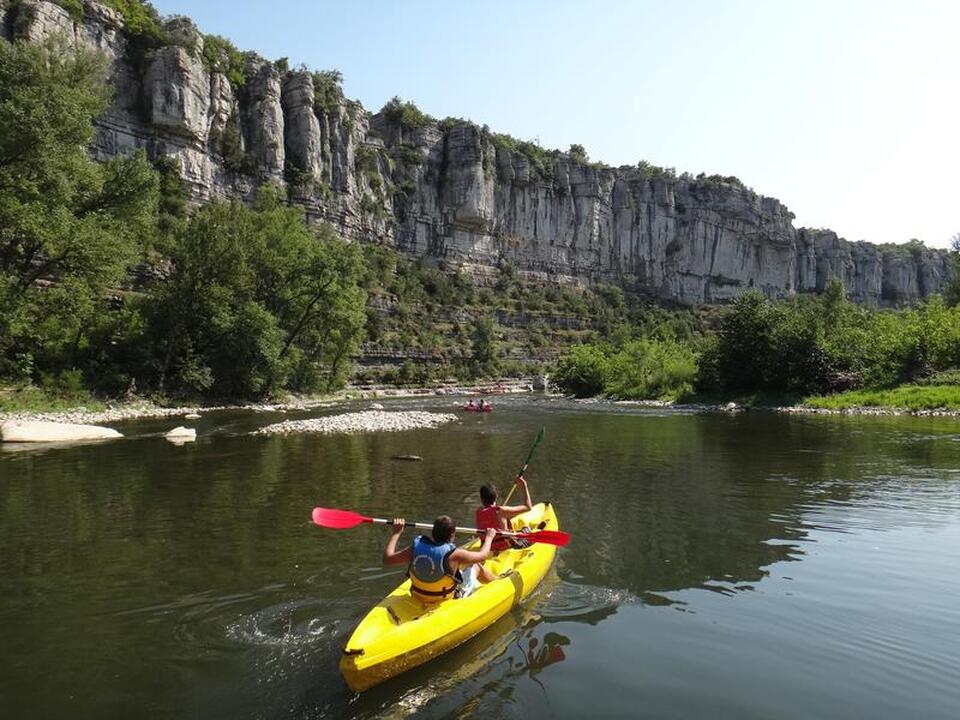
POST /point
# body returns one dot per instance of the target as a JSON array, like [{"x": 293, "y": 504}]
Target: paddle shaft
[
  {"x": 524, "y": 468},
  {"x": 429, "y": 526}
]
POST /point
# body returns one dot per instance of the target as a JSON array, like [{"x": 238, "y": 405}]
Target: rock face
[{"x": 457, "y": 194}]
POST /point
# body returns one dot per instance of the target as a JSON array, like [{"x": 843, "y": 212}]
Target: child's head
[
  {"x": 443, "y": 529},
  {"x": 488, "y": 495}
]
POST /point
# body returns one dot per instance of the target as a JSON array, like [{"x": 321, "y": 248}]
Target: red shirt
[{"x": 489, "y": 517}]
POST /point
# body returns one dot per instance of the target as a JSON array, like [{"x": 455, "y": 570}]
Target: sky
[{"x": 846, "y": 111}]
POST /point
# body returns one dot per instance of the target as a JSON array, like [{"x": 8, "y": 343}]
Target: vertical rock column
[
  {"x": 302, "y": 140},
  {"x": 263, "y": 122},
  {"x": 222, "y": 108},
  {"x": 177, "y": 90}
]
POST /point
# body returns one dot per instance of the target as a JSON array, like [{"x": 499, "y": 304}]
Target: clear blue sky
[{"x": 847, "y": 111}]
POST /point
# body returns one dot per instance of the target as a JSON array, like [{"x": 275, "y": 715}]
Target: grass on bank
[
  {"x": 32, "y": 399},
  {"x": 907, "y": 397}
]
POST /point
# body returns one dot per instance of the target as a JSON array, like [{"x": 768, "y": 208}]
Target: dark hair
[
  {"x": 488, "y": 494},
  {"x": 443, "y": 528}
]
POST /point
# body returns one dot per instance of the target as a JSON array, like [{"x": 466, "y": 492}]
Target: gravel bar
[{"x": 367, "y": 421}]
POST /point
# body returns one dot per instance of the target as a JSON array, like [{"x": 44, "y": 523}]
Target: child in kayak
[
  {"x": 491, "y": 515},
  {"x": 438, "y": 569}
]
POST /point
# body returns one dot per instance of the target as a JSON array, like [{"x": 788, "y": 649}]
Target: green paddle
[{"x": 529, "y": 455}]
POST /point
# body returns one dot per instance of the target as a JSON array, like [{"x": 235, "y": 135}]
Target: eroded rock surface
[{"x": 455, "y": 193}]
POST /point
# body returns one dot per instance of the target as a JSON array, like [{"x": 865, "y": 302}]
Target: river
[{"x": 745, "y": 566}]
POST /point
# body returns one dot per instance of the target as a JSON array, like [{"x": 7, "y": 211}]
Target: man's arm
[
  {"x": 509, "y": 511},
  {"x": 391, "y": 556},
  {"x": 471, "y": 557}
]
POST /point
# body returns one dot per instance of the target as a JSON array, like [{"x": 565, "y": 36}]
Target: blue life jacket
[{"x": 429, "y": 574}]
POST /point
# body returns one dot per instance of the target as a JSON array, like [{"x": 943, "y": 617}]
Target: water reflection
[
  {"x": 188, "y": 572},
  {"x": 551, "y": 652}
]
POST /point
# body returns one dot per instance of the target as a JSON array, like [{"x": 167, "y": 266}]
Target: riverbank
[
  {"x": 99, "y": 412},
  {"x": 915, "y": 400}
]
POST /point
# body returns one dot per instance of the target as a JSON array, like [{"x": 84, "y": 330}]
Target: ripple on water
[{"x": 287, "y": 625}]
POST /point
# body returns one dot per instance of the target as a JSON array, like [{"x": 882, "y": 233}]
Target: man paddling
[{"x": 438, "y": 569}]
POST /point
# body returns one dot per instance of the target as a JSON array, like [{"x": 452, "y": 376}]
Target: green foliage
[
  {"x": 29, "y": 398},
  {"x": 220, "y": 55},
  {"x": 406, "y": 114},
  {"x": 408, "y": 155},
  {"x": 639, "y": 369},
  {"x": 815, "y": 345},
  {"x": 655, "y": 172},
  {"x": 69, "y": 227},
  {"x": 366, "y": 158},
  {"x": 74, "y": 7},
  {"x": 235, "y": 157},
  {"x": 583, "y": 370},
  {"x": 140, "y": 18},
  {"x": 449, "y": 122},
  {"x": 172, "y": 202},
  {"x": 907, "y": 397},
  {"x": 485, "y": 357},
  {"x": 578, "y": 154},
  {"x": 541, "y": 160},
  {"x": 259, "y": 303},
  {"x": 327, "y": 90}
]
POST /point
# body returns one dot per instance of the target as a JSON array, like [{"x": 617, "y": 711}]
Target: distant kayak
[{"x": 476, "y": 408}]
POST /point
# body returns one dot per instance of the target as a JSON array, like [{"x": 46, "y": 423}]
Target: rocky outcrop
[
  {"x": 178, "y": 95},
  {"x": 456, "y": 194},
  {"x": 302, "y": 142}
]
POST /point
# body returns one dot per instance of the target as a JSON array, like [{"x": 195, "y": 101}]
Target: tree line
[
  {"x": 810, "y": 345},
  {"x": 109, "y": 281}
]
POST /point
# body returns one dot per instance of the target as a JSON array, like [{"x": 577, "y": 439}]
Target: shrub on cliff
[{"x": 406, "y": 114}]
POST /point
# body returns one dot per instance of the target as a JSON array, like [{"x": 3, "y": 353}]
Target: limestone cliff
[{"x": 457, "y": 193}]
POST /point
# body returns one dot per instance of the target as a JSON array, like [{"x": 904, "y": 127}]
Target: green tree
[
  {"x": 69, "y": 227},
  {"x": 583, "y": 370},
  {"x": 578, "y": 153},
  {"x": 485, "y": 358},
  {"x": 259, "y": 302},
  {"x": 737, "y": 356}
]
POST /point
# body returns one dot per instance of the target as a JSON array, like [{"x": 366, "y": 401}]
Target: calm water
[{"x": 727, "y": 567}]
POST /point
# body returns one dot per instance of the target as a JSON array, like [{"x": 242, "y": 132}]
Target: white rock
[
  {"x": 181, "y": 433},
  {"x": 40, "y": 431},
  {"x": 192, "y": 416}
]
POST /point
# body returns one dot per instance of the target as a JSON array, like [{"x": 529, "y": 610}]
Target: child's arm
[
  {"x": 509, "y": 511},
  {"x": 391, "y": 556},
  {"x": 471, "y": 557}
]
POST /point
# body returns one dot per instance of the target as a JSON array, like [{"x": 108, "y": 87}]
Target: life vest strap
[{"x": 432, "y": 593}]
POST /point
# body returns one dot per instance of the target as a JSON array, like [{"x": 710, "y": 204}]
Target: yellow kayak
[{"x": 402, "y": 632}]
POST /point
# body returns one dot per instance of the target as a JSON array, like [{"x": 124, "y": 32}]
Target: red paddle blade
[
  {"x": 550, "y": 537},
  {"x": 337, "y": 519}
]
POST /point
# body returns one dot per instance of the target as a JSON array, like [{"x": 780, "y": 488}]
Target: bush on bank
[{"x": 808, "y": 346}]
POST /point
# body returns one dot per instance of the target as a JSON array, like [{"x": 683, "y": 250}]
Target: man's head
[
  {"x": 443, "y": 529},
  {"x": 488, "y": 495}
]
